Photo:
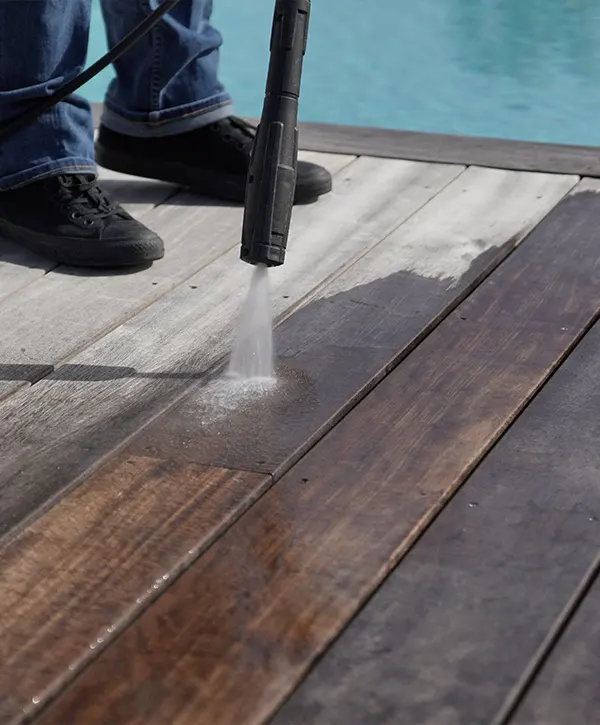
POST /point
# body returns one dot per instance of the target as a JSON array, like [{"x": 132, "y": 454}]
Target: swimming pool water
[{"x": 520, "y": 69}]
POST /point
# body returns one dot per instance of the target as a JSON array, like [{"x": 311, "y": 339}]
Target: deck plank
[
  {"x": 452, "y": 149},
  {"x": 123, "y": 535},
  {"x": 278, "y": 586},
  {"x": 53, "y": 431},
  {"x": 333, "y": 350},
  {"x": 449, "y": 634},
  {"x": 68, "y": 309},
  {"x": 567, "y": 689}
]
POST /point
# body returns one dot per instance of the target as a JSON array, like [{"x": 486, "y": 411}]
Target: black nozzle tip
[{"x": 268, "y": 254}]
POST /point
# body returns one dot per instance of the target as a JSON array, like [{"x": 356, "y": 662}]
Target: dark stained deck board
[
  {"x": 567, "y": 688},
  {"x": 230, "y": 639},
  {"x": 366, "y": 329},
  {"x": 451, "y": 149},
  {"x": 458, "y": 624},
  {"x": 74, "y": 578}
]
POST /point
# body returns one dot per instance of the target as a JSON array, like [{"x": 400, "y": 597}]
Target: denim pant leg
[
  {"x": 43, "y": 44},
  {"x": 168, "y": 82}
]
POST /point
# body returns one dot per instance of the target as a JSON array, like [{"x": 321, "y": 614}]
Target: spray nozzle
[{"x": 271, "y": 183}]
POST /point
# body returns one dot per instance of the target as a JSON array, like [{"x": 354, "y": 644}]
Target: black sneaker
[
  {"x": 212, "y": 160},
  {"x": 71, "y": 220}
]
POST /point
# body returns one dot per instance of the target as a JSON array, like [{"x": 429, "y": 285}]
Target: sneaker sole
[
  {"x": 72, "y": 252},
  {"x": 212, "y": 184}
]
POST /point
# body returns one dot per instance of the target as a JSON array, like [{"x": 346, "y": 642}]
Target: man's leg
[
  {"x": 168, "y": 117},
  {"x": 167, "y": 83},
  {"x": 43, "y": 44},
  {"x": 50, "y": 201}
]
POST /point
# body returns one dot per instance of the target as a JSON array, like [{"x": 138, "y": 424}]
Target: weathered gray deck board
[
  {"x": 567, "y": 688},
  {"x": 59, "y": 314},
  {"x": 106, "y": 392}
]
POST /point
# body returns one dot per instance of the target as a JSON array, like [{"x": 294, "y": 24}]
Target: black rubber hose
[{"x": 17, "y": 124}]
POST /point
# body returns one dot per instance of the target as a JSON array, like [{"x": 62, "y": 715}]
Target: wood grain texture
[
  {"x": 567, "y": 690},
  {"x": 68, "y": 309},
  {"x": 450, "y": 633},
  {"x": 357, "y": 327},
  {"x": 54, "y": 431},
  {"x": 278, "y": 586},
  {"x": 76, "y": 576}
]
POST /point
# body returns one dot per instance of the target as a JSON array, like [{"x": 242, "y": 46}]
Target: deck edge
[{"x": 444, "y": 148}]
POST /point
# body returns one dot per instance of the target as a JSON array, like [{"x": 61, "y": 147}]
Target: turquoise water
[{"x": 520, "y": 69}]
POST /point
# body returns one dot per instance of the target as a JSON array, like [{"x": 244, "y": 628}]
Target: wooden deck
[{"x": 407, "y": 531}]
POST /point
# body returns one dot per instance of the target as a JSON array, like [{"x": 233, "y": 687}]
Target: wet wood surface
[
  {"x": 450, "y": 634},
  {"x": 567, "y": 689},
  {"x": 72, "y": 580},
  {"x": 231, "y": 638}
]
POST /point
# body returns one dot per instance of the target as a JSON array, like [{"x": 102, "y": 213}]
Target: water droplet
[
  {"x": 155, "y": 586},
  {"x": 111, "y": 628},
  {"x": 139, "y": 600},
  {"x": 165, "y": 577},
  {"x": 564, "y": 329},
  {"x": 473, "y": 504},
  {"x": 93, "y": 645},
  {"x": 100, "y": 640},
  {"x": 35, "y": 700}
]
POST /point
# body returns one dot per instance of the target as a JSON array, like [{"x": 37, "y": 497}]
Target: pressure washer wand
[{"x": 272, "y": 174}]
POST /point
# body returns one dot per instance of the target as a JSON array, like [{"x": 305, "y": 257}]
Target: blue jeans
[{"x": 166, "y": 84}]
